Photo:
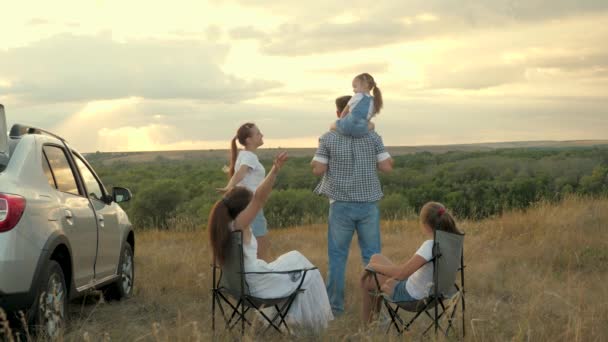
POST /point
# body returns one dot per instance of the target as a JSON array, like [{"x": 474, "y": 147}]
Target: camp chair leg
[
  {"x": 213, "y": 310},
  {"x": 243, "y": 319},
  {"x": 270, "y": 321},
  {"x": 407, "y": 326},
  {"x": 395, "y": 319},
  {"x": 219, "y": 304},
  {"x": 236, "y": 321},
  {"x": 271, "y": 324},
  {"x": 282, "y": 313},
  {"x": 463, "y": 311},
  {"x": 451, "y": 315},
  {"x": 240, "y": 316},
  {"x": 285, "y": 309},
  {"x": 234, "y": 312},
  {"x": 435, "y": 323},
  {"x": 451, "y": 319}
]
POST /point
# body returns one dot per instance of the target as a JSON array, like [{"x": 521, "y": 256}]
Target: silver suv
[{"x": 61, "y": 232}]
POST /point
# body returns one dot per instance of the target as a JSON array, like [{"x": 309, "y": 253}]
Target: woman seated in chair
[
  {"x": 236, "y": 211},
  {"x": 413, "y": 279}
]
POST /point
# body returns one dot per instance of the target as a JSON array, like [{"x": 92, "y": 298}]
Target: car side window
[
  {"x": 47, "y": 171},
  {"x": 93, "y": 186},
  {"x": 60, "y": 168}
]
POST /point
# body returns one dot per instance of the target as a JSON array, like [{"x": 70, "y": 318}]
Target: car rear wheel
[
  {"x": 50, "y": 308},
  {"x": 123, "y": 287}
]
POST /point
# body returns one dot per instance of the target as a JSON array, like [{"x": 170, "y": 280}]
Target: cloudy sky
[{"x": 167, "y": 75}]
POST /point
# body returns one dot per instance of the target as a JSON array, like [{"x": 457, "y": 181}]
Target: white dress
[{"x": 310, "y": 309}]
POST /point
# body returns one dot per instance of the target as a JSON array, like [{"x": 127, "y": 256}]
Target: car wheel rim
[
  {"x": 127, "y": 273},
  {"x": 52, "y": 306}
]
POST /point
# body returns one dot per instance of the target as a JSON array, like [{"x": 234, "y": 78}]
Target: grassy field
[{"x": 538, "y": 275}]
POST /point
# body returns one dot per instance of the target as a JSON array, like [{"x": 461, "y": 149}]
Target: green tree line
[{"x": 472, "y": 184}]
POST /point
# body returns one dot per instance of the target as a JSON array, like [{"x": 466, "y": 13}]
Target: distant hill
[{"x": 148, "y": 156}]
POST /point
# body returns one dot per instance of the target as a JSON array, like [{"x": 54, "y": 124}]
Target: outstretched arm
[
  {"x": 261, "y": 194},
  {"x": 402, "y": 271},
  {"x": 236, "y": 178}
]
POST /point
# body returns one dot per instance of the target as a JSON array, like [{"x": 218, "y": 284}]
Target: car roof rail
[{"x": 18, "y": 130}]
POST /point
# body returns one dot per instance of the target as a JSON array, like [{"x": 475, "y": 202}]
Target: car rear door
[
  {"x": 76, "y": 214},
  {"x": 110, "y": 236}
]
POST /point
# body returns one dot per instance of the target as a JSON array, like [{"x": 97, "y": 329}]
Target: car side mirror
[{"x": 120, "y": 195}]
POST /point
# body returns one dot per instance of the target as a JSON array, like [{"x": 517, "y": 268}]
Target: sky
[{"x": 172, "y": 75}]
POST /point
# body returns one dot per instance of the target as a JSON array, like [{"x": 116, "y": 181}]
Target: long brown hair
[
  {"x": 436, "y": 216},
  {"x": 223, "y": 212},
  {"x": 242, "y": 134},
  {"x": 371, "y": 83}
]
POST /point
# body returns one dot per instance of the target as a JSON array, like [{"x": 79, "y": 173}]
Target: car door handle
[
  {"x": 69, "y": 217},
  {"x": 101, "y": 220}
]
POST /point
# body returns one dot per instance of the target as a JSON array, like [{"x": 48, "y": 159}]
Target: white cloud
[
  {"x": 84, "y": 68},
  {"x": 314, "y": 27}
]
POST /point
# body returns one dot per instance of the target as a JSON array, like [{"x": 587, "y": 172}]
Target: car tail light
[{"x": 11, "y": 210}]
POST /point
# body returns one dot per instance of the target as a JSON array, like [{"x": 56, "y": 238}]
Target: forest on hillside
[{"x": 179, "y": 193}]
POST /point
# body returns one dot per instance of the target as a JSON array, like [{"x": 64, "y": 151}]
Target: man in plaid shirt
[{"x": 349, "y": 167}]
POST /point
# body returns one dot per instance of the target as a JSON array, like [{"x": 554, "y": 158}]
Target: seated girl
[{"x": 411, "y": 280}]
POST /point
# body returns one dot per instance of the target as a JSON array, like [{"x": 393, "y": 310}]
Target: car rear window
[
  {"x": 4, "y": 160},
  {"x": 61, "y": 170}
]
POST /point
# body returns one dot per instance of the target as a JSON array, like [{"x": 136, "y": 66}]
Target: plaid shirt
[{"x": 352, "y": 167}]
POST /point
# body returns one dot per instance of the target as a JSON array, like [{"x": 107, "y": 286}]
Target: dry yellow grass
[{"x": 538, "y": 275}]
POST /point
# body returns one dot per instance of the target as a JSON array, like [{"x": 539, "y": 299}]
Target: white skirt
[{"x": 310, "y": 309}]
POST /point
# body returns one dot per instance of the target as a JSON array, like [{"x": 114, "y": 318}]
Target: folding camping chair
[
  {"x": 230, "y": 287},
  {"x": 448, "y": 260}
]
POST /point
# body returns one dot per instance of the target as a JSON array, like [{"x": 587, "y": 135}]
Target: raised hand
[{"x": 279, "y": 160}]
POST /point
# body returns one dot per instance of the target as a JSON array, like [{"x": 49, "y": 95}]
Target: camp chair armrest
[
  {"x": 376, "y": 293},
  {"x": 372, "y": 271},
  {"x": 283, "y": 272}
]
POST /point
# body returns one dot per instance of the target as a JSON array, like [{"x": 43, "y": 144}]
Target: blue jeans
[
  {"x": 355, "y": 123},
  {"x": 344, "y": 219},
  {"x": 400, "y": 293}
]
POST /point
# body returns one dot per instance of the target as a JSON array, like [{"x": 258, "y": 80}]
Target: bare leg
[
  {"x": 371, "y": 304},
  {"x": 264, "y": 248}
]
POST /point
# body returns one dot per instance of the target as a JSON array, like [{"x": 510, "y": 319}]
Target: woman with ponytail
[
  {"x": 247, "y": 171},
  {"x": 407, "y": 281},
  {"x": 237, "y": 211},
  {"x": 354, "y": 120}
]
